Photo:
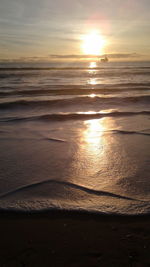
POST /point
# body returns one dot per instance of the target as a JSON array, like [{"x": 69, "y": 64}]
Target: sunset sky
[{"x": 50, "y": 29}]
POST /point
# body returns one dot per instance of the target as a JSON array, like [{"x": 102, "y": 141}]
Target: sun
[{"x": 93, "y": 43}]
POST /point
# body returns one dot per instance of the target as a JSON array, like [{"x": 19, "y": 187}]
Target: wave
[
  {"x": 72, "y": 73},
  {"x": 75, "y": 116},
  {"x": 75, "y": 101},
  {"x": 72, "y": 91},
  {"x": 26, "y": 68},
  {"x": 130, "y": 132},
  {"x": 67, "y": 184}
]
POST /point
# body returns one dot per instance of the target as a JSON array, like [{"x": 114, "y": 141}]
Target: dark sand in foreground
[{"x": 63, "y": 239}]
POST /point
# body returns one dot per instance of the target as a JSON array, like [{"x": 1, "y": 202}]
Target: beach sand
[{"x": 71, "y": 239}]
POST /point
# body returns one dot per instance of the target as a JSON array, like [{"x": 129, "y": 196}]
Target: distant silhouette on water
[{"x": 105, "y": 59}]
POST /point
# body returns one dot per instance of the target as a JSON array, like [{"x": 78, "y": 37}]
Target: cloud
[
  {"x": 71, "y": 56},
  {"x": 124, "y": 55},
  {"x": 113, "y": 55}
]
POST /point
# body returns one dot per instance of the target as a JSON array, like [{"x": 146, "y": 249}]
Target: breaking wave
[
  {"x": 73, "y": 116},
  {"x": 69, "y": 91},
  {"x": 68, "y": 184},
  {"x": 75, "y": 101}
]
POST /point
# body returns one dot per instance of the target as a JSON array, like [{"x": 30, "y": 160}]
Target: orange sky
[{"x": 35, "y": 28}]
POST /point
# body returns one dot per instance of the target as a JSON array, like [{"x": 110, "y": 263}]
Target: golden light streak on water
[
  {"x": 93, "y": 65},
  {"x": 97, "y": 162},
  {"x": 90, "y": 152},
  {"x": 94, "y": 131},
  {"x": 92, "y": 95},
  {"x": 92, "y": 148},
  {"x": 92, "y": 81}
]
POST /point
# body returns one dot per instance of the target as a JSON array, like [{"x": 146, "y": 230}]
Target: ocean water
[{"x": 75, "y": 136}]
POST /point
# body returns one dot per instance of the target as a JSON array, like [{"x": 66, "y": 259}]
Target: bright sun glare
[{"x": 93, "y": 43}]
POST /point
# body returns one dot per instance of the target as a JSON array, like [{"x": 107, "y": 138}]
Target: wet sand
[{"x": 71, "y": 239}]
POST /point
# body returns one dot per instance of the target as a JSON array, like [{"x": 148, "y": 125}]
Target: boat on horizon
[{"x": 105, "y": 59}]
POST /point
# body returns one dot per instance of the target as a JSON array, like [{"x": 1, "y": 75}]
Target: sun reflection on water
[
  {"x": 93, "y": 65},
  {"x": 92, "y": 150},
  {"x": 91, "y": 157},
  {"x": 92, "y": 95},
  {"x": 92, "y": 81},
  {"x": 94, "y": 131},
  {"x": 92, "y": 68},
  {"x": 92, "y": 71}
]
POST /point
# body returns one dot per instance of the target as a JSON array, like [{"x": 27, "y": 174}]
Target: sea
[{"x": 75, "y": 136}]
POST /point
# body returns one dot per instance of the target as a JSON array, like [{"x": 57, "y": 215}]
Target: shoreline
[{"x": 73, "y": 239}]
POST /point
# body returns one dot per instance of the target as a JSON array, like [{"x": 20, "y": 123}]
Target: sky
[{"x": 53, "y": 29}]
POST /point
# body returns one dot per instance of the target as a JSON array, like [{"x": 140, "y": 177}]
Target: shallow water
[{"x": 75, "y": 137}]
